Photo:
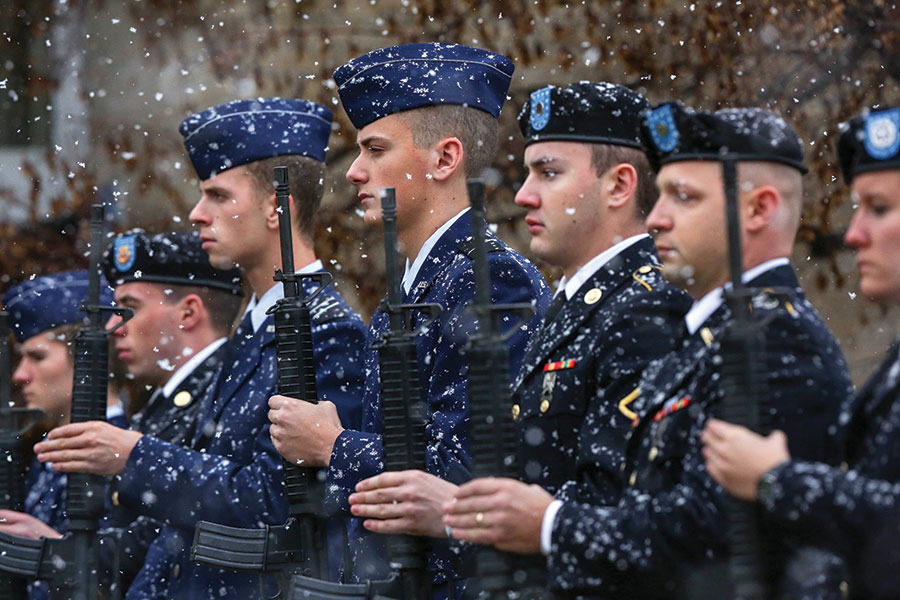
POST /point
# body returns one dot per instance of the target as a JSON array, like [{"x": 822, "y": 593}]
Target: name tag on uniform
[
  {"x": 559, "y": 365},
  {"x": 547, "y": 390},
  {"x": 673, "y": 404}
]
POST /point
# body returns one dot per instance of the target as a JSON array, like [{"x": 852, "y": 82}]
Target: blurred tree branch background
[{"x": 134, "y": 70}]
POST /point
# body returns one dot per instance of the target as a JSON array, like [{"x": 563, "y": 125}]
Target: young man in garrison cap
[
  {"x": 231, "y": 473},
  {"x": 851, "y": 509},
  {"x": 45, "y": 315},
  {"x": 426, "y": 115},
  {"x": 669, "y": 526},
  {"x": 588, "y": 190}
]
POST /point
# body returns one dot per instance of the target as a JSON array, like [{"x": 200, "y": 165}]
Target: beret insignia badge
[
  {"x": 125, "y": 252},
  {"x": 882, "y": 135},
  {"x": 540, "y": 108},
  {"x": 663, "y": 130}
]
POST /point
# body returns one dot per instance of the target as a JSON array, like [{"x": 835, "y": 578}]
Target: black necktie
[{"x": 555, "y": 306}]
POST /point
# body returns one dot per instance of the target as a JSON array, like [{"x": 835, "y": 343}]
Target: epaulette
[
  {"x": 641, "y": 272},
  {"x": 326, "y": 308},
  {"x": 467, "y": 246},
  {"x": 772, "y": 298}
]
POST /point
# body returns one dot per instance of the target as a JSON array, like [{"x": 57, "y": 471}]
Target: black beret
[
  {"x": 599, "y": 113},
  {"x": 175, "y": 258},
  {"x": 870, "y": 142},
  {"x": 672, "y": 133}
]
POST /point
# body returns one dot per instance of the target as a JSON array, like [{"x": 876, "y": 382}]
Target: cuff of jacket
[{"x": 356, "y": 456}]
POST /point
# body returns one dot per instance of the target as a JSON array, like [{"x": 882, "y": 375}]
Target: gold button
[
  {"x": 845, "y": 467},
  {"x": 545, "y": 405},
  {"x": 592, "y": 296},
  {"x": 633, "y": 478},
  {"x": 845, "y": 589},
  {"x": 182, "y": 399},
  {"x": 645, "y": 269},
  {"x": 115, "y": 498},
  {"x": 176, "y": 571},
  {"x": 515, "y": 411},
  {"x": 654, "y": 452}
]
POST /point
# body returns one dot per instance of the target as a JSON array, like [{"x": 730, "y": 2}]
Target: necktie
[{"x": 555, "y": 306}]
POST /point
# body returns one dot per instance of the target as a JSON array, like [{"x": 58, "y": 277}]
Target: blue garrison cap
[
  {"x": 245, "y": 131},
  {"x": 390, "y": 80},
  {"x": 50, "y": 301}
]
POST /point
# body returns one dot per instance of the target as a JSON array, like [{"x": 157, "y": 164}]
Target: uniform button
[
  {"x": 176, "y": 571},
  {"x": 545, "y": 405},
  {"x": 633, "y": 478},
  {"x": 115, "y": 498},
  {"x": 845, "y": 467},
  {"x": 645, "y": 269},
  {"x": 515, "y": 411},
  {"x": 654, "y": 452},
  {"x": 845, "y": 589}
]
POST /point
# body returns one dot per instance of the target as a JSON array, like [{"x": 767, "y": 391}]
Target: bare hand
[
  {"x": 402, "y": 502},
  {"x": 302, "y": 432},
  {"x": 737, "y": 458},
  {"x": 26, "y": 526},
  {"x": 505, "y": 513},
  {"x": 90, "y": 447}
]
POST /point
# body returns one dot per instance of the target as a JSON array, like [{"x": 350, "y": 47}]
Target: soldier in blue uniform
[
  {"x": 852, "y": 509},
  {"x": 668, "y": 525},
  {"x": 231, "y": 473},
  {"x": 184, "y": 309},
  {"x": 426, "y": 115},
  {"x": 45, "y": 315},
  {"x": 588, "y": 190}
]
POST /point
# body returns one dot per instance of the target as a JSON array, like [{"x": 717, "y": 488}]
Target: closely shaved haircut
[
  {"x": 475, "y": 129},
  {"x": 605, "y": 156},
  {"x": 306, "y": 178}
]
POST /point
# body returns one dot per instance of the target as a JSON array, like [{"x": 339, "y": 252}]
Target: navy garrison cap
[
  {"x": 245, "y": 131},
  {"x": 170, "y": 258},
  {"x": 870, "y": 142},
  {"x": 599, "y": 113},
  {"x": 390, "y": 80},
  {"x": 50, "y": 301},
  {"x": 672, "y": 133}
]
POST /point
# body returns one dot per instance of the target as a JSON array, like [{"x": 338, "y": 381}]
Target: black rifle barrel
[
  {"x": 743, "y": 385},
  {"x": 12, "y": 486}
]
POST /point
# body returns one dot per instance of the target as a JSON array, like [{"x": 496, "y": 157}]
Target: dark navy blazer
[
  {"x": 232, "y": 474},
  {"x": 669, "y": 522}
]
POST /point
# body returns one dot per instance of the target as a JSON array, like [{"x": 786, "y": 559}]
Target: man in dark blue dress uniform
[
  {"x": 426, "y": 115},
  {"x": 853, "y": 509},
  {"x": 45, "y": 315},
  {"x": 231, "y": 473},
  {"x": 668, "y": 525}
]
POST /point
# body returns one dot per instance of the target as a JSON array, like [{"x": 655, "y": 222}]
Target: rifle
[
  {"x": 299, "y": 547},
  {"x": 70, "y": 564},
  {"x": 744, "y": 388},
  {"x": 12, "y": 488},
  {"x": 493, "y": 432}
]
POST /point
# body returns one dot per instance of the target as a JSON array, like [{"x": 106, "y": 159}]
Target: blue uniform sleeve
[
  {"x": 340, "y": 375},
  {"x": 183, "y": 486}
]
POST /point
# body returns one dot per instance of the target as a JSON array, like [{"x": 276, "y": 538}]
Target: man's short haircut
[
  {"x": 306, "y": 177},
  {"x": 787, "y": 180},
  {"x": 476, "y": 129},
  {"x": 606, "y": 156},
  {"x": 221, "y": 305}
]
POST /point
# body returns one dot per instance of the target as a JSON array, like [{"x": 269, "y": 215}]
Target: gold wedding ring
[{"x": 479, "y": 518}]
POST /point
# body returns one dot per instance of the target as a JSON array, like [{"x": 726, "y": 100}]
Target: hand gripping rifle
[
  {"x": 70, "y": 564},
  {"x": 299, "y": 547},
  {"x": 12, "y": 428},
  {"x": 403, "y": 440},
  {"x": 493, "y": 432},
  {"x": 744, "y": 390}
]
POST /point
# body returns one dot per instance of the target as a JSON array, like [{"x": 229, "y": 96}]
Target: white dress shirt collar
[
  {"x": 259, "y": 308},
  {"x": 571, "y": 286},
  {"x": 412, "y": 271},
  {"x": 188, "y": 367}
]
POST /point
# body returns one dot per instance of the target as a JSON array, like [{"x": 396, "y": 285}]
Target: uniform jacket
[
  {"x": 586, "y": 361},
  {"x": 163, "y": 419},
  {"x": 669, "y": 522},
  {"x": 853, "y": 510},
  {"x": 446, "y": 278},
  {"x": 231, "y": 473}
]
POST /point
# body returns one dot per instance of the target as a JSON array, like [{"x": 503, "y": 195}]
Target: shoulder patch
[
  {"x": 640, "y": 275},
  {"x": 467, "y": 246}
]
